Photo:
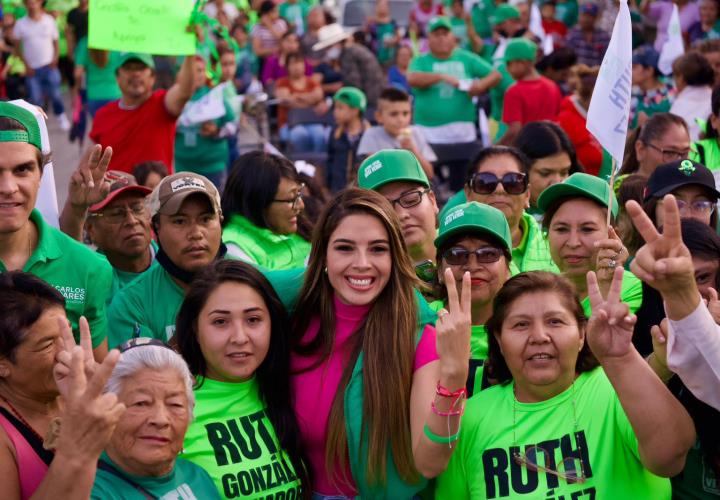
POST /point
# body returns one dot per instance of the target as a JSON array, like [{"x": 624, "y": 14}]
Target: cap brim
[
  {"x": 560, "y": 191},
  {"x": 471, "y": 229},
  {"x": 670, "y": 189},
  {"x": 127, "y": 189},
  {"x": 331, "y": 41},
  {"x": 399, "y": 179},
  {"x": 172, "y": 206}
]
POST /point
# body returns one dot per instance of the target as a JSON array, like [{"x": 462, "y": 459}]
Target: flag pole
[{"x": 610, "y": 193}]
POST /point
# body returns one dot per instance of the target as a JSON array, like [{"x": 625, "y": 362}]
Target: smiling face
[
  {"x": 233, "y": 331},
  {"x": 150, "y": 433},
  {"x": 19, "y": 184},
  {"x": 191, "y": 237},
  {"x": 540, "y": 341},
  {"x": 359, "y": 260},
  {"x": 574, "y": 229},
  {"x": 418, "y": 222},
  {"x": 485, "y": 279},
  {"x": 281, "y": 216},
  {"x": 548, "y": 171}
]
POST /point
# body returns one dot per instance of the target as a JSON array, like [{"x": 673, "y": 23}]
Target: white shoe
[{"x": 64, "y": 122}]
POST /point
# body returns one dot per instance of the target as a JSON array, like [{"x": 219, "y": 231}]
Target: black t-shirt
[{"x": 78, "y": 19}]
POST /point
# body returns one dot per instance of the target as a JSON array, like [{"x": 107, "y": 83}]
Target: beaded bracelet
[
  {"x": 446, "y": 393},
  {"x": 440, "y": 439}
]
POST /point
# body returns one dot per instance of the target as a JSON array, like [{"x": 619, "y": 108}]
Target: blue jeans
[
  {"x": 46, "y": 83},
  {"x": 93, "y": 105},
  {"x": 305, "y": 138}
]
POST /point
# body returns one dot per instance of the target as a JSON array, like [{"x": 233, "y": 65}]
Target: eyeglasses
[
  {"x": 486, "y": 183},
  {"x": 141, "y": 342},
  {"x": 411, "y": 199},
  {"x": 294, "y": 200},
  {"x": 669, "y": 155},
  {"x": 571, "y": 469},
  {"x": 697, "y": 206},
  {"x": 118, "y": 215},
  {"x": 458, "y": 256}
]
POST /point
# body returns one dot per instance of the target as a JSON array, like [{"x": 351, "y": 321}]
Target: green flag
[{"x": 156, "y": 27}]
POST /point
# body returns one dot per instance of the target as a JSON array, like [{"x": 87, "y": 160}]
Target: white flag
[
  {"x": 607, "y": 118},
  {"x": 46, "y": 202},
  {"x": 673, "y": 46}
]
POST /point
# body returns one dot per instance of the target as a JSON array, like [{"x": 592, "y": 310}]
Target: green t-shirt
[
  {"x": 441, "y": 104},
  {"x": 567, "y": 12},
  {"x": 459, "y": 29},
  {"x": 233, "y": 439},
  {"x": 533, "y": 252},
  {"x": 630, "y": 293},
  {"x": 100, "y": 82},
  {"x": 186, "y": 481},
  {"x": 78, "y": 273},
  {"x": 120, "y": 279},
  {"x": 385, "y": 31},
  {"x": 296, "y": 14},
  {"x": 495, "y": 425},
  {"x": 480, "y": 15},
  {"x": 697, "y": 481}
]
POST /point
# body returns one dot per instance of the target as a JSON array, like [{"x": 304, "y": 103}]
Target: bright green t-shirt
[
  {"x": 100, "y": 82},
  {"x": 187, "y": 481},
  {"x": 495, "y": 425},
  {"x": 441, "y": 104},
  {"x": 78, "y": 273},
  {"x": 234, "y": 441},
  {"x": 630, "y": 293}
]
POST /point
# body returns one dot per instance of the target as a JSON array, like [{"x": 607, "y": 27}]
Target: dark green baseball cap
[
  {"x": 390, "y": 165},
  {"x": 503, "y": 12},
  {"x": 146, "y": 59},
  {"x": 579, "y": 185},
  {"x": 352, "y": 96},
  {"x": 475, "y": 218},
  {"x": 439, "y": 22},
  {"x": 30, "y": 135},
  {"x": 520, "y": 49}
]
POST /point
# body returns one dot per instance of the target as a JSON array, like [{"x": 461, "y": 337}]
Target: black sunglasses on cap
[{"x": 486, "y": 182}]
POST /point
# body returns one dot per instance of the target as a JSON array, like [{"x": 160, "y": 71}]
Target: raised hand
[
  {"x": 611, "y": 254},
  {"x": 610, "y": 328},
  {"x": 88, "y": 184},
  {"x": 63, "y": 360},
  {"x": 453, "y": 329},
  {"x": 713, "y": 305},
  {"x": 664, "y": 262}
]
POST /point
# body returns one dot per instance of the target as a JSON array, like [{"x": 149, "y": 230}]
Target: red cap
[{"x": 121, "y": 182}]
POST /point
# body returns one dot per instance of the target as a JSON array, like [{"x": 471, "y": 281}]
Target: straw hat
[{"x": 330, "y": 35}]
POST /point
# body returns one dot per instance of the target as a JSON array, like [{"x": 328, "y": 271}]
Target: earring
[{"x": 325, "y": 269}]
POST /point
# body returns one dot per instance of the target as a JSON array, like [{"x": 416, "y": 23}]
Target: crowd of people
[{"x": 424, "y": 281}]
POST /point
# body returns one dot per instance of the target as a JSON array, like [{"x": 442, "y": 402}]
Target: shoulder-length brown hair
[
  {"x": 386, "y": 339},
  {"x": 516, "y": 287}
]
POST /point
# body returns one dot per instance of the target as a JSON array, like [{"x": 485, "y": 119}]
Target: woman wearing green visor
[
  {"x": 474, "y": 238},
  {"x": 580, "y": 239}
]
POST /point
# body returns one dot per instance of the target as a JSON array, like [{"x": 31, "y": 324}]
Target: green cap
[
  {"x": 390, "y": 165},
  {"x": 503, "y": 12},
  {"x": 352, "y": 96},
  {"x": 30, "y": 135},
  {"x": 579, "y": 185},
  {"x": 476, "y": 218},
  {"x": 146, "y": 59},
  {"x": 520, "y": 49},
  {"x": 439, "y": 22}
]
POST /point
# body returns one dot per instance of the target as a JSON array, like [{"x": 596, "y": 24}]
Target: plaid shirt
[{"x": 588, "y": 52}]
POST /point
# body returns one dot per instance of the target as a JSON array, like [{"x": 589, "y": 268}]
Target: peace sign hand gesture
[
  {"x": 664, "y": 262},
  {"x": 88, "y": 184},
  {"x": 610, "y": 328},
  {"x": 63, "y": 360},
  {"x": 453, "y": 329}
]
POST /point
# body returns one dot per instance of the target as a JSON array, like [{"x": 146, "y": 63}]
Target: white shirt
[
  {"x": 37, "y": 39},
  {"x": 229, "y": 9},
  {"x": 693, "y": 352},
  {"x": 691, "y": 103}
]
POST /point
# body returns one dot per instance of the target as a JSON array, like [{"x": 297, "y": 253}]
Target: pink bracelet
[{"x": 451, "y": 413}]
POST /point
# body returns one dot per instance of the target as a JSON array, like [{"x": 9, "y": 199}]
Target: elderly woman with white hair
[{"x": 140, "y": 460}]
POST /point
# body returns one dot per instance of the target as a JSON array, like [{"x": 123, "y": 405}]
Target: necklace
[{"x": 20, "y": 418}]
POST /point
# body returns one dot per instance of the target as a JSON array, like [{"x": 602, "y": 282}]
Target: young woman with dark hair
[
  {"x": 262, "y": 204},
  {"x": 663, "y": 138},
  {"x": 232, "y": 332}
]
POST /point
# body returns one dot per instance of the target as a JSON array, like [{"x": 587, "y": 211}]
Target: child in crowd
[
  {"x": 350, "y": 104},
  {"x": 394, "y": 131},
  {"x": 384, "y": 33},
  {"x": 551, "y": 25},
  {"x": 532, "y": 97}
]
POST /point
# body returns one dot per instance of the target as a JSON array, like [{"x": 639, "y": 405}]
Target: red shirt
[
  {"x": 146, "y": 133},
  {"x": 553, "y": 26},
  {"x": 573, "y": 119},
  {"x": 531, "y": 100}
]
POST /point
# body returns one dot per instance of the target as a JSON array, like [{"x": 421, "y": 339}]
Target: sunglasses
[
  {"x": 458, "y": 256},
  {"x": 570, "y": 469},
  {"x": 486, "y": 182}
]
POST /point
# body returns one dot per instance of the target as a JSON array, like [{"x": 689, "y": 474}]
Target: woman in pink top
[{"x": 378, "y": 390}]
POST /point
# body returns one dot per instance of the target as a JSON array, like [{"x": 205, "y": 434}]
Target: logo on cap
[
  {"x": 373, "y": 167},
  {"x": 686, "y": 167},
  {"x": 456, "y": 214},
  {"x": 187, "y": 183}
]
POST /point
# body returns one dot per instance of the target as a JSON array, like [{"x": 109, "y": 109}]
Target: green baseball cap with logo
[
  {"x": 503, "y": 12},
  {"x": 352, "y": 96},
  {"x": 579, "y": 185},
  {"x": 476, "y": 218},
  {"x": 390, "y": 165},
  {"x": 520, "y": 49},
  {"x": 31, "y": 134},
  {"x": 146, "y": 59},
  {"x": 439, "y": 22}
]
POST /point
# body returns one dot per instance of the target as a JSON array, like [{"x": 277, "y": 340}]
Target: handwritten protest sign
[{"x": 153, "y": 27}]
